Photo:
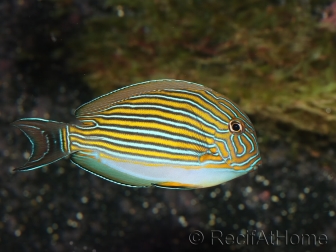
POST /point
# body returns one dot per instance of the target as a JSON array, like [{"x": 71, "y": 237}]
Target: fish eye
[{"x": 236, "y": 127}]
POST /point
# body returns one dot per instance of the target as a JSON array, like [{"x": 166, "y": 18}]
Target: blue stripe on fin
[{"x": 106, "y": 101}]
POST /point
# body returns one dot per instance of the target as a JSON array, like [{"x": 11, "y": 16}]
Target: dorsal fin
[{"x": 104, "y": 102}]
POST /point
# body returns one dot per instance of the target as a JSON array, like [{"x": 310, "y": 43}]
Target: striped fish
[{"x": 165, "y": 133}]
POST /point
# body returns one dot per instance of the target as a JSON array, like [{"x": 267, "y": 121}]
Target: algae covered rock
[{"x": 277, "y": 61}]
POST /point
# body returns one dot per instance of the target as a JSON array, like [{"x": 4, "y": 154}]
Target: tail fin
[{"x": 47, "y": 141}]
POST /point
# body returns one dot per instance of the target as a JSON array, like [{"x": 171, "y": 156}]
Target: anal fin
[{"x": 175, "y": 185}]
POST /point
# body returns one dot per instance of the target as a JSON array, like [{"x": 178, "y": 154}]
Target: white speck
[
  {"x": 331, "y": 213},
  {"x": 228, "y": 194},
  {"x": 292, "y": 209},
  {"x": 145, "y": 204},
  {"x": 26, "y": 154},
  {"x": 53, "y": 38},
  {"x": 212, "y": 220},
  {"x": 266, "y": 182},
  {"x": 72, "y": 223},
  {"x": 26, "y": 193},
  {"x": 49, "y": 230},
  {"x": 251, "y": 222},
  {"x": 241, "y": 207},
  {"x": 17, "y": 232},
  {"x": 183, "y": 221},
  {"x": 302, "y": 196},
  {"x": 39, "y": 199},
  {"x": 79, "y": 216},
  {"x": 275, "y": 198},
  {"x": 328, "y": 110},
  {"x": 84, "y": 199},
  {"x": 265, "y": 206},
  {"x": 306, "y": 190},
  {"x": 248, "y": 189},
  {"x": 213, "y": 195},
  {"x": 259, "y": 178},
  {"x": 60, "y": 170},
  {"x": 120, "y": 11},
  {"x": 212, "y": 216}
]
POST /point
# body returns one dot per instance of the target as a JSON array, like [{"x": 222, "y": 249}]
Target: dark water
[{"x": 62, "y": 208}]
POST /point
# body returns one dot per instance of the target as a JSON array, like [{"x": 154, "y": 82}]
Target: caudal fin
[{"x": 47, "y": 141}]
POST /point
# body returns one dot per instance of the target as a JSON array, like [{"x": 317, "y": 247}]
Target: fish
[{"x": 164, "y": 133}]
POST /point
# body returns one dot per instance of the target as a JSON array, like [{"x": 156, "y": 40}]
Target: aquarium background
[{"x": 276, "y": 59}]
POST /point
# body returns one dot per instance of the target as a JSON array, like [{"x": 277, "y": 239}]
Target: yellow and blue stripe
[{"x": 156, "y": 132}]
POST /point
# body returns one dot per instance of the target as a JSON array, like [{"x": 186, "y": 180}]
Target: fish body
[{"x": 165, "y": 133}]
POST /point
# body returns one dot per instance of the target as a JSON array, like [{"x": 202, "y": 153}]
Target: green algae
[{"x": 277, "y": 61}]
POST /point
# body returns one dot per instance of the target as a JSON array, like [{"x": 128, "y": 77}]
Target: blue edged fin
[
  {"x": 106, "y": 101},
  {"x": 175, "y": 185},
  {"x": 46, "y": 138}
]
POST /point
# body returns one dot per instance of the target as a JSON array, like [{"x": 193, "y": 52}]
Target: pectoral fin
[{"x": 211, "y": 155}]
